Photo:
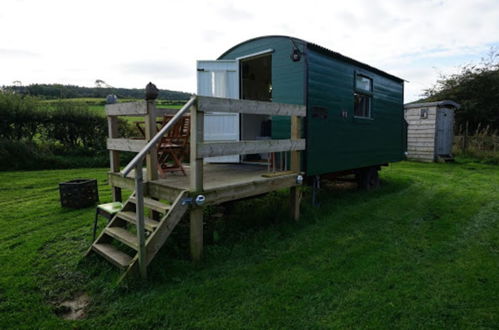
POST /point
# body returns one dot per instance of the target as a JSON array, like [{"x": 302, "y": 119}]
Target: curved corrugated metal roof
[
  {"x": 433, "y": 104},
  {"x": 320, "y": 49}
]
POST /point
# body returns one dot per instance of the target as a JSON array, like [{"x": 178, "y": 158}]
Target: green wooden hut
[
  {"x": 352, "y": 121},
  {"x": 355, "y": 113}
]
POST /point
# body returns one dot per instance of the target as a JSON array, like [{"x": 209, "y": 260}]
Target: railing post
[
  {"x": 139, "y": 210},
  {"x": 114, "y": 156},
  {"x": 295, "y": 193},
  {"x": 196, "y": 184},
  {"x": 150, "y": 132}
]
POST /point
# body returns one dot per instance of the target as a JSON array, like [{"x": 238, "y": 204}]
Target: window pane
[
  {"x": 363, "y": 83},
  {"x": 362, "y": 106}
]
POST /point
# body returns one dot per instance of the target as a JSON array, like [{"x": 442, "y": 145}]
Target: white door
[
  {"x": 445, "y": 133},
  {"x": 220, "y": 79}
]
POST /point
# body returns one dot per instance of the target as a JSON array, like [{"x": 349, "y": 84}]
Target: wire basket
[{"x": 79, "y": 193}]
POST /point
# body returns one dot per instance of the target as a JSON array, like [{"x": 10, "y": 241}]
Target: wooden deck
[
  {"x": 175, "y": 193},
  {"x": 221, "y": 182}
]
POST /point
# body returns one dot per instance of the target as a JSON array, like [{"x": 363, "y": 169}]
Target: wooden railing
[
  {"x": 198, "y": 105},
  {"x": 199, "y": 149},
  {"x": 115, "y": 144},
  {"x": 147, "y": 151}
]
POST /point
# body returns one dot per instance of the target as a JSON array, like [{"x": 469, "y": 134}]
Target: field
[
  {"x": 97, "y": 105},
  {"x": 421, "y": 252}
]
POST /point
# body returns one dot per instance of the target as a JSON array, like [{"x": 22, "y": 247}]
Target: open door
[{"x": 220, "y": 79}]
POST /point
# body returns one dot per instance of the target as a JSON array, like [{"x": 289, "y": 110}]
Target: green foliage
[
  {"x": 63, "y": 134},
  {"x": 421, "y": 252},
  {"x": 19, "y": 116},
  {"x": 73, "y": 125},
  {"x": 476, "y": 88},
  {"x": 58, "y": 91}
]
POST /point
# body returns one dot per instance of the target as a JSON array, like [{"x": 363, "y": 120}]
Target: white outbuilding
[{"x": 430, "y": 130}]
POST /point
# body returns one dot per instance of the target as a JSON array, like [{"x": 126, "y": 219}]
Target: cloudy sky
[{"x": 129, "y": 43}]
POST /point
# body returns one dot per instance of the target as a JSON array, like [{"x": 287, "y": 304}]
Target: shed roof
[
  {"x": 443, "y": 103},
  {"x": 322, "y": 50}
]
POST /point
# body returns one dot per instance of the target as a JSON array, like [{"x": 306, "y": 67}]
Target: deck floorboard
[{"x": 215, "y": 176}]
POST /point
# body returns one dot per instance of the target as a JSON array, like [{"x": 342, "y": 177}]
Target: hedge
[{"x": 50, "y": 132}]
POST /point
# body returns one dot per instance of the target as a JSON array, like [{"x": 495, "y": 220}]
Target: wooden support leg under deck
[
  {"x": 295, "y": 200},
  {"x": 196, "y": 233},
  {"x": 116, "y": 194},
  {"x": 196, "y": 184},
  {"x": 295, "y": 193}
]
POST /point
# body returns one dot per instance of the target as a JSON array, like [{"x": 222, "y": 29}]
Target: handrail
[{"x": 138, "y": 158}]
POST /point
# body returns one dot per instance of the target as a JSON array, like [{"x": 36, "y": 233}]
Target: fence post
[
  {"x": 114, "y": 155},
  {"x": 196, "y": 183}
]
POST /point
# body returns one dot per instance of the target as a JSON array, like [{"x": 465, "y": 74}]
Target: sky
[{"x": 129, "y": 43}]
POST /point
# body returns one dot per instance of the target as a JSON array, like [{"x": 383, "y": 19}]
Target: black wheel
[{"x": 367, "y": 178}]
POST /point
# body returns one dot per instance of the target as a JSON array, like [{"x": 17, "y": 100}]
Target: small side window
[
  {"x": 363, "y": 83},
  {"x": 423, "y": 113},
  {"x": 362, "y": 96},
  {"x": 362, "y": 105}
]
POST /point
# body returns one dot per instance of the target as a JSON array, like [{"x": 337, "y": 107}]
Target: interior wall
[
  {"x": 256, "y": 84},
  {"x": 256, "y": 78}
]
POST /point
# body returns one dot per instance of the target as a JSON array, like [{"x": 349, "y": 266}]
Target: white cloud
[
  {"x": 16, "y": 53},
  {"x": 128, "y": 43},
  {"x": 157, "y": 68}
]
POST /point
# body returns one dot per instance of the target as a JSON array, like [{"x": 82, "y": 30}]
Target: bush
[
  {"x": 20, "y": 117},
  {"x": 475, "y": 87},
  {"x": 35, "y": 135},
  {"x": 74, "y": 126}
]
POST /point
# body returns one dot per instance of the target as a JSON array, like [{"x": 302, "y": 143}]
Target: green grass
[{"x": 421, "y": 252}]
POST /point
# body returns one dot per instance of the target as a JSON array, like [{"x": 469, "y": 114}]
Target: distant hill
[{"x": 56, "y": 91}]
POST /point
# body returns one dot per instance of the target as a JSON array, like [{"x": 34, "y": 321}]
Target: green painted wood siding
[
  {"x": 336, "y": 143},
  {"x": 288, "y": 77}
]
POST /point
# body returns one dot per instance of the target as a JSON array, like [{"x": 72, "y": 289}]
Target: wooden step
[
  {"x": 113, "y": 255},
  {"x": 124, "y": 236},
  {"x": 153, "y": 204},
  {"x": 131, "y": 217}
]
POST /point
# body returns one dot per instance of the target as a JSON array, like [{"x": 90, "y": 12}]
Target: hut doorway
[{"x": 256, "y": 84}]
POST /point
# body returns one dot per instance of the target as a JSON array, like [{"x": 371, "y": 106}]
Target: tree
[
  {"x": 99, "y": 83},
  {"x": 476, "y": 88}
]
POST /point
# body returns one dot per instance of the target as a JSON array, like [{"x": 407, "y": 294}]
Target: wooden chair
[{"x": 174, "y": 146}]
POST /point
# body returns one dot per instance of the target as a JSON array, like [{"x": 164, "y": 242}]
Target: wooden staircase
[{"x": 119, "y": 243}]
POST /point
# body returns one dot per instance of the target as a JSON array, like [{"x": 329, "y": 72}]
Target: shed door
[
  {"x": 445, "y": 134},
  {"x": 220, "y": 79}
]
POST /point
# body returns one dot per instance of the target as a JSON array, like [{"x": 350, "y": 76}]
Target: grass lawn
[{"x": 421, "y": 252}]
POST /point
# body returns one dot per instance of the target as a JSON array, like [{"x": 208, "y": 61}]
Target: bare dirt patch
[{"x": 73, "y": 309}]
